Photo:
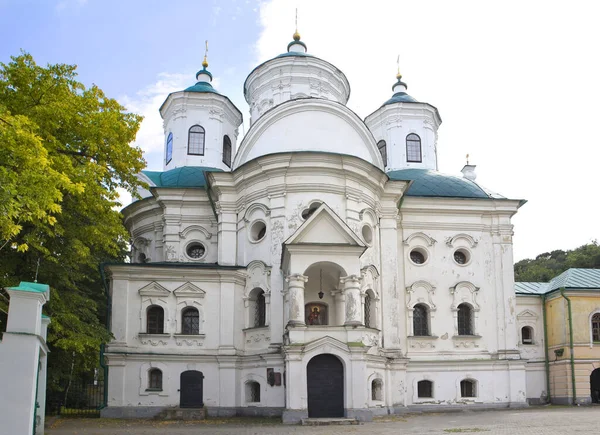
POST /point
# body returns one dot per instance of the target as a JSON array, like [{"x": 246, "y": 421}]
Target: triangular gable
[
  {"x": 328, "y": 342},
  {"x": 527, "y": 314},
  {"x": 189, "y": 290},
  {"x": 154, "y": 289},
  {"x": 324, "y": 227}
]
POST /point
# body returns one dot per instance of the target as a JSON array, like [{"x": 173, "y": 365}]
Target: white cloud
[{"x": 516, "y": 84}]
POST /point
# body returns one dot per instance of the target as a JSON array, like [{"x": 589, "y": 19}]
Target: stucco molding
[
  {"x": 429, "y": 241},
  {"x": 472, "y": 242}
]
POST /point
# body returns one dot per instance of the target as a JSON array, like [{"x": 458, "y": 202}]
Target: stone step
[
  {"x": 182, "y": 414},
  {"x": 328, "y": 421}
]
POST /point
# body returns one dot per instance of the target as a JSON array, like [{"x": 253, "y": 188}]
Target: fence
[{"x": 81, "y": 399}]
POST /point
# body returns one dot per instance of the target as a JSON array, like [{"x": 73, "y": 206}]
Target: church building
[{"x": 321, "y": 267}]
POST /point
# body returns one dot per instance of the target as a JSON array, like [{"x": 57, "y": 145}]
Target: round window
[
  {"x": 461, "y": 256},
  {"x": 418, "y": 256},
  {"x": 367, "y": 234},
  {"x": 257, "y": 231},
  {"x": 195, "y": 250}
]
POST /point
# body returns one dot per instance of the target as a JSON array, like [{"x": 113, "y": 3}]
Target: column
[
  {"x": 296, "y": 298},
  {"x": 340, "y": 307},
  {"x": 353, "y": 300}
]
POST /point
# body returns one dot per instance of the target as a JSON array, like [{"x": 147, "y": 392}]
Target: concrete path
[{"x": 546, "y": 421}]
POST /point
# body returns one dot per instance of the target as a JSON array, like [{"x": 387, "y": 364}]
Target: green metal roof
[
  {"x": 531, "y": 288},
  {"x": 572, "y": 279},
  {"x": 427, "y": 182},
  {"x": 576, "y": 279},
  {"x": 33, "y": 287},
  {"x": 400, "y": 97},
  {"x": 202, "y": 87},
  {"x": 186, "y": 176}
]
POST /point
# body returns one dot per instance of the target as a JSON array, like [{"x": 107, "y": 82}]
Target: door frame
[{"x": 343, "y": 384}]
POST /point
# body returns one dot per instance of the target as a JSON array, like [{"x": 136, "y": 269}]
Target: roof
[
  {"x": 186, "y": 176},
  {"x": 571, "y": 279},
  {"x": 531, "y": 288},
  {"x": 202, "y": 87},
  {"x": 427, "y": 182},
  {"x": 32, "y": 287},
  {"x": 400, "y": 97}
]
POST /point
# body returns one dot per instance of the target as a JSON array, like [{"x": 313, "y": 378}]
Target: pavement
[{"x": 549, "y": 420}]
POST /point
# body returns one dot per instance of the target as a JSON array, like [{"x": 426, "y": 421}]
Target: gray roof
[{"x": 571, "y": 279}]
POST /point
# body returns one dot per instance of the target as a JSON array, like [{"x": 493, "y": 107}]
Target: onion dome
[
  {"x": 203, "y": 78},
  {"x": 400, "y": 95}
]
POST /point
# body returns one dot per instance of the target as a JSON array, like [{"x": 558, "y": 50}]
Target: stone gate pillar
[{"x": 22, "y": 359}]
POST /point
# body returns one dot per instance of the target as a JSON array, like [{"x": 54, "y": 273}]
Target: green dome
[
  {"x": 400, "y": 97},
  {"x": 202, "y": 87}
]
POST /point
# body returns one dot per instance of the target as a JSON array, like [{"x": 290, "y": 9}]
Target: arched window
[
  {"x": 196, "y": 140},
  {"x": 155, "y": 380},
  {"x": 596, "y": 327},
  {"x": 260, "y": 310},
  {"x": 227, "y": 151},
  {"x": 465, "y": 319},
  {"x": 468, "y": 388},
  {"x": 190, "y": 321},
  {"x": 252, "y": 392},
  {"x": 413, "y": 148},
  {"x": 425, "y": 389},
  {"x": 155, "y": 320},
  {"x": 169, "y": 153},
  {"x": 527, "y": 335},
  {"x": 383, "y": 150},
  {"x": 377, "y": 389},
  {"x": 420, "y": 320},
  {"x": 368, "y": 302}
]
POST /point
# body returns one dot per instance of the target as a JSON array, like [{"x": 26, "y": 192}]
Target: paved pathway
[{"x": 546, "y": 421}]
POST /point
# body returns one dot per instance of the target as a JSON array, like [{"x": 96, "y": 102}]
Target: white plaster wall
[
  {"x": 215, "y": 113},
  {"x": 529, "y": 313},
  {"x": 288, "y": 78},
  {"x": 394, "y": 122},
  {"x": 536, "y": 381}
]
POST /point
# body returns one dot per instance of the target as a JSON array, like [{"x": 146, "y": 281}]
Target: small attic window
[
  {"x": 413, "y": 148},
  {"x": 196, "y": 140}
]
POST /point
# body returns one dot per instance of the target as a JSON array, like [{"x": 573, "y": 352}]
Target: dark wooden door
[
  {"x": 325, "y": 384},
  {"x": 191, "y": 389},
  {"x": 595, "y": 386}
]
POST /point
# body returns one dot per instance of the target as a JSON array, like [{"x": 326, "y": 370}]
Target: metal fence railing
[{"x": 81, "y": 399}]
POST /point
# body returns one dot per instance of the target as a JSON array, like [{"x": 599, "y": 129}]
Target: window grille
[
  {"x": 368, "y": 311},
  {"x": 467, "y": 388},
  {"x": 420, "y": 320},
  {"x": 260, "y": 310},
  {"x": 377, "y": 389},
  {"x": 527, "y": 335},
  {"x": 465, "y": 320},
  {"x": 425, "y": 389},
  {"x": 383, "y": 150},
  {"x": 155, "y": 320},
  {"x": 196, "y": 140},
  {"x": 413, "y": 148},
  {"x": 190, "y": 321},
  {"x": 155, "y": 380},
  {"x": 596, "y": 327},
  {"x": 252, "y": 392},
  {"x": 227, "y": 151}
]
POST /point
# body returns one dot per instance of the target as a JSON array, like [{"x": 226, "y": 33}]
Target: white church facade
[{"x": 322, "y": 267}]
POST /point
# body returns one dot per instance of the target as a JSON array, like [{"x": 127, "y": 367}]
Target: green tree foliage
[
  {"x": 550, "y": 264},
  {"x": 65, "y": 149}
]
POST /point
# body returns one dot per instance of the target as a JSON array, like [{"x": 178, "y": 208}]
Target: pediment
[
  {"x": 324, "y": 227},
  {"x": 327, "y": 344},
  {"x": 154, "y": 289},
  {"x": 527, "y": 314},
  {"x": 189, "y": 290}
]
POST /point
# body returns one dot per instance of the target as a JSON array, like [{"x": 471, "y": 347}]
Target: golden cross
[
  {"x": 467, "y": 159},
  {"x": 296, "y": 20},
  {"x": 206, "y": 50}
]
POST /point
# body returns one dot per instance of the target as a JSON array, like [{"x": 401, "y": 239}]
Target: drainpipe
[
  {"x": 562, "y": 293},
  {"x": 102, "y": 346},
  {"x": 546, "y": 349}
]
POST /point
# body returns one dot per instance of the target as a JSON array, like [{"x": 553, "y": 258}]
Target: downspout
[
  {"x": 546, "y": 349},
  {"x": 562, "y": 293},
  {"x": 102, "y": 346}
]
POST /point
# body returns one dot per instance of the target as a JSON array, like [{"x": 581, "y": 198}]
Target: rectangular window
[{"x": 424, "y": 389}]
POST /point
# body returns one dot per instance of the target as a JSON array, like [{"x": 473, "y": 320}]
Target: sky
[{"x": 517, "y": 83}]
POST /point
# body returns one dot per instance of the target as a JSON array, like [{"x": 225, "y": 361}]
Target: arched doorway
[
  {"x": 191, "y": 389},
  {"x": 325, "y": 385},
  {"x": 595, "y": 386}
]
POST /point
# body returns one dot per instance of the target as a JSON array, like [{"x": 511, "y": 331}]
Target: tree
[
  {"x": 65, "y": 149},
  {"x": 550, "y": 264}
]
